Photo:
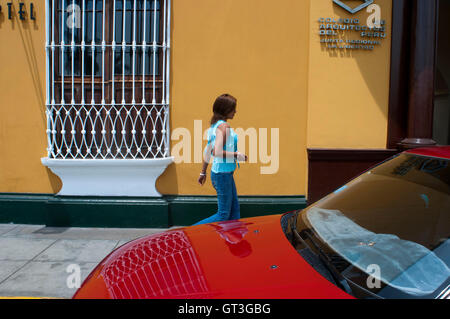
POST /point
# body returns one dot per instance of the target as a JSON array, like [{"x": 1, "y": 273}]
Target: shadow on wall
[
  {"x": 30, "y": 50},
  {"x": 167, "y": 183},
  {"x": 28, "y": 32},
  {"x": 2, "y": 19},
  {"x": 54, "y": 180}
]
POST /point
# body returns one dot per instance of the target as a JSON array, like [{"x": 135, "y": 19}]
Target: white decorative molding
[{"x": 108, "y": 177}]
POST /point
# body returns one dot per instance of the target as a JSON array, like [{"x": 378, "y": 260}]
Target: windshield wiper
[{"x": 323, "y": 257}]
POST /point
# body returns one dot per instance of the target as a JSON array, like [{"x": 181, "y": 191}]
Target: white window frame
[{"x": 128, "y": 166}]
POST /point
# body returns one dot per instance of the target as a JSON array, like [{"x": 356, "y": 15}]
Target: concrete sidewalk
[{"x": 34, "y": 259}]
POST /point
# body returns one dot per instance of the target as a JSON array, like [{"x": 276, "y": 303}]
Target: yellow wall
[
  {"x": 257, "y": 51},
  {"x": 348, "y": 90},
  {"x": 265, "y": 53},
  {"x": 23, "y": 122}
]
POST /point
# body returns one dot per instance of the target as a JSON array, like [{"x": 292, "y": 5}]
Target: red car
[{"x": 383, "y": 235}]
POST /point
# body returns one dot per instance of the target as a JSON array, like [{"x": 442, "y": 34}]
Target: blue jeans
[{"x": 227, "y": 200}]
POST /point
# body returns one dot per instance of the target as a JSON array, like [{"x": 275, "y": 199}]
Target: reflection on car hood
[{"x": 248, "y": 258}]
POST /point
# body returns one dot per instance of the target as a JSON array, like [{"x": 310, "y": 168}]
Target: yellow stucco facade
[
  {"x": 267, "y": 54},
  {"x": 348, "y": 90}
]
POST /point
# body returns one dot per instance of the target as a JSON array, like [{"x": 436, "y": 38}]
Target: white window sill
[{"x": 108, "y": 177}]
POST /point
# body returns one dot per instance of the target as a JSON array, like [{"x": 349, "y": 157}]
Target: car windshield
[{"x": 392, "y": 224}]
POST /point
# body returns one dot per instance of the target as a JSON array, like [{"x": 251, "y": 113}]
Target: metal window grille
[{"x": 107, "y": 76}]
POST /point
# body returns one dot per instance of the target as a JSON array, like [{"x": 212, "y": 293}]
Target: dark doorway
[{"x": 441, "y": 116}]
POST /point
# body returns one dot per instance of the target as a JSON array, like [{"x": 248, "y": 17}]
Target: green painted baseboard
[
  {"x": 187, "y": 210},
  {"x": 128, "y": 212}
]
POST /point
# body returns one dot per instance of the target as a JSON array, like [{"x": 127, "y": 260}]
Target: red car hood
[{"x": 248, "y": 258}]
